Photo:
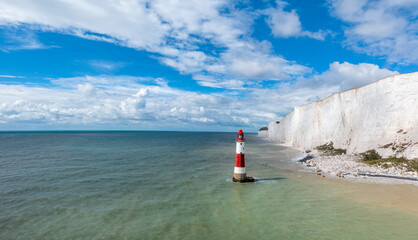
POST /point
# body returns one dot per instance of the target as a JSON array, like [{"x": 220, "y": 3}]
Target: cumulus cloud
[
  {"x": 97, "y": 100},
  {"x": 86, "y": 89},
  {"x": 188, "y": 61},
  {"x": 344, "y": 76},
  {"x": 176, "y": 32},
  {"x": 188, "y": 18},
  {"x": 126, "y": 21},
  {"x": 260, "y": 64},
  {"x": 179, "y": 33},
  {"x": 382, "y": 28},
  {"x": 144, "y": 103},
  {"x": 287, "y": 23}
]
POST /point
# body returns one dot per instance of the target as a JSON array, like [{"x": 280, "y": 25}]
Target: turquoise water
[{"x": 173, "y": 185}]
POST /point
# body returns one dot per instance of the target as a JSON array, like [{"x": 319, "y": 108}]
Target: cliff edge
[{"x": 382, "y": 115}]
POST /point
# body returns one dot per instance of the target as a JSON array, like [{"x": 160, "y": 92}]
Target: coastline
[
  {"x": 350, "y": 167},
  {"x": 380, "y": 117}
]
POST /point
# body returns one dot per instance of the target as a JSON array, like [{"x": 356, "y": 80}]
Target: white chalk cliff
[{"x": 382, "y": 115}]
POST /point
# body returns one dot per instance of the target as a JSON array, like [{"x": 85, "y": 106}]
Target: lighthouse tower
[{"x": 240, "y": 174}]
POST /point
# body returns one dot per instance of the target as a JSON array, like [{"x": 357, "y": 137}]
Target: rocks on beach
[{"x": 351, "y": 166}]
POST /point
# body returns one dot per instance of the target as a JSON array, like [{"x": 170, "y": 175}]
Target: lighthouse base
[{"x": 244, "y": 180}]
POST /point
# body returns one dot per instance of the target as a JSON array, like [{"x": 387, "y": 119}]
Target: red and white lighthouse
[{"x": 240, "y": 174}]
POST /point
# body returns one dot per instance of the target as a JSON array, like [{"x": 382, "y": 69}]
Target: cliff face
[
  {"x": 263, "y": 133},
  {"x": 382, "y": 115}
]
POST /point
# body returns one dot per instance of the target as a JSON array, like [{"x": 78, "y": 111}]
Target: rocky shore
[
  {"x": 351, "y": 166},
  {"x": 370, "y": 131}
]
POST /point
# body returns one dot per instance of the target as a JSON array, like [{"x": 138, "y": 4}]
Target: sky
[{"x": 191, "y": 65}]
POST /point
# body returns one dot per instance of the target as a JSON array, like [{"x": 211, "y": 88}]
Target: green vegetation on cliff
[
  {"x": 373, "y": 158},
  {"x": 328, "y": 149}
]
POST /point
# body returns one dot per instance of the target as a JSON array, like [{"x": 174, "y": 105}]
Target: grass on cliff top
[
  {"x": 371, "y": 157},
  {"x": 328, "y": 149}
]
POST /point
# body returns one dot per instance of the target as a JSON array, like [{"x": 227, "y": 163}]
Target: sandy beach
[{"x": 351, "y": 167}]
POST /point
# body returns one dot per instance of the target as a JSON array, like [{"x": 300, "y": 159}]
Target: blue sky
[{"x": 191, "y": 65}]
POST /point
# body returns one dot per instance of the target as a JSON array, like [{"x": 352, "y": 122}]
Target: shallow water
[{"x": 173, "y": 185}]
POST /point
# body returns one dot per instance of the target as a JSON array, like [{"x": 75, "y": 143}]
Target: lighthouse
[{"x": 240, "y": 174}]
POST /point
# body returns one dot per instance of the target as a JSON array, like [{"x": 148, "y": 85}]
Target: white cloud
[
  {"x": 240, "y": 67},
  {"x": 130, "y": 22},
  {"x": 195, "y": 17},
  {"x": 287, "y": 23},
  {"x": 21, "y": 40},
  {"x": 202, "y": 119},
  {"x": 178, "y": 32},
  {"x": 188, "y": 61},
  {"x": 260, "y": 64},
  {"x": 250, "y": 61},
  {"x": 10, "y": 76},
  {"x": 209, "y": 81},
  {"x": 124, "y": 83},
  {"x": 98, "y": 100},
  {"x": 143, "y": 103},
  {"x": 142, "y": 92},
  {"x": 344, "y": 76},
  {"x": 87, "y": 89},
  {"x": 383, "y": 28},
  {"x": 105, "y": 65}
]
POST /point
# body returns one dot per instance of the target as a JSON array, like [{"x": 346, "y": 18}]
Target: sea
[{"x": 177, "y": 185}]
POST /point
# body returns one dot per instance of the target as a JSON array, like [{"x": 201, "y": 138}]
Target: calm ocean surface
[{"x": 175, "y": 185}]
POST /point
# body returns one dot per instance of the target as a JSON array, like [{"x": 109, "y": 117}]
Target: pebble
[{"x": 350, "y": 165}]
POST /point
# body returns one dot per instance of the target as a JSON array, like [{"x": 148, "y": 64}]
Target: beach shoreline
[{"x": 351, "y": 167}]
